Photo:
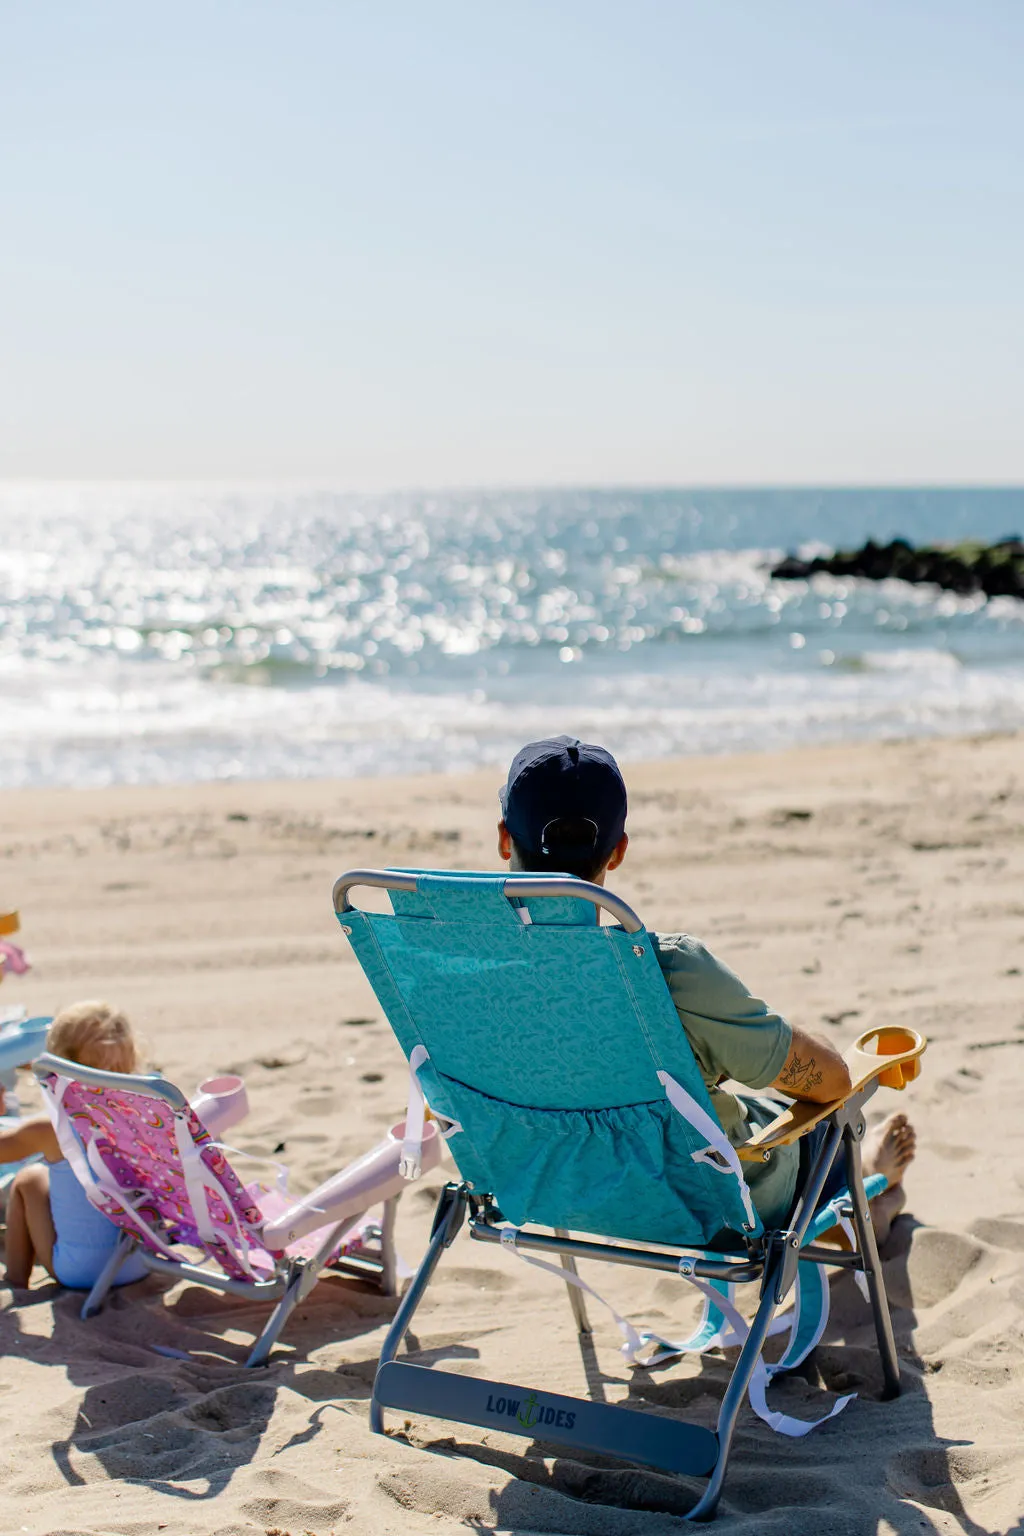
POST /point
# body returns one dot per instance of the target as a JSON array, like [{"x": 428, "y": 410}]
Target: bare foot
[{"x": 890, "y": 1148}]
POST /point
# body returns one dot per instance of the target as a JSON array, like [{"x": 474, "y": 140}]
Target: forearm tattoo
[{"x": 800, "y": 1076}]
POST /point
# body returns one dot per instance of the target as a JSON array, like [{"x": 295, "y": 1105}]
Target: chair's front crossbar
[
  {"x": 839, "y": 1258},
  {"x": 359, "y": 1269},
  {"x": 647, "y": 1438},
  {"x": 739, "y": 1270},
  {"x": 264, "y": 1289}
]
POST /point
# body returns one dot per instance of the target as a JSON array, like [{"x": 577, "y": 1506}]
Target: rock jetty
[{"x": 995, "y": 569}]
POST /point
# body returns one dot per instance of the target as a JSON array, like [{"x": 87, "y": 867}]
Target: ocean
[{"x": 154, "y": 634}]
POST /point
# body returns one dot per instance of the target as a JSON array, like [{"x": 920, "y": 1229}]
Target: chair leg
[
  {"x": 872, "y": 1267},
  {"x": 735, "y": 1392},
  {"x": 293, "y": 1294},
  {"x": 303, "y": 1275},
  {"x": 576, "y": 1298},
  {"x": 450, "y": 1214},
  {"x": 388, "y": 1257},
  {"x": 108, "y": 1274}
]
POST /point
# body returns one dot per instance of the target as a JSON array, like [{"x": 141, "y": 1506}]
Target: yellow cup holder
[{"x": 905, "y": 1045}]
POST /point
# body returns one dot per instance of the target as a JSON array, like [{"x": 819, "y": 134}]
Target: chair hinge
[{"x": 781, "y": 1260}]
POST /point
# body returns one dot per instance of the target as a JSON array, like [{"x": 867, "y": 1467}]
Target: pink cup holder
[
  {"x": 220, "y": 1087},
  {"x": 430, "y": 1132},
  {"x": 221, "y": 1102},
  {"x": 431, "y": 1147}
]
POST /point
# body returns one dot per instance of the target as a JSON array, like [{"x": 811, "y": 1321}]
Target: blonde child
[{"x": 50, "y": 1220}]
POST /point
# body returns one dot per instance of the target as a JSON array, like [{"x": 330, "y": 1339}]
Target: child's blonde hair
[{"x": 94, "y": 1035}]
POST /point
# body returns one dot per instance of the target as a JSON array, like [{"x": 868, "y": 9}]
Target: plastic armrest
[{"x": 891, "y": 1053}]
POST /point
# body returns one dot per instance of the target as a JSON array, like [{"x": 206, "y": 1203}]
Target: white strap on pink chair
[{"x": 89, "y": 1168}]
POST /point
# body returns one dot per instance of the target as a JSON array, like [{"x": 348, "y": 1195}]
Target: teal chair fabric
[{"x": 545, "y": 1032}]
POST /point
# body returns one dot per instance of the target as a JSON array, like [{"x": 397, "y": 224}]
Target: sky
[{"x": 424, "y": 245}]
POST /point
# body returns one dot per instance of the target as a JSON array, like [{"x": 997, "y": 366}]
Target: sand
[{"x": 851, "y": 886}]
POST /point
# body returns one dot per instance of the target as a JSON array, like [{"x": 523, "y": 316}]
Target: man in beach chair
[
  {"x": 550, "y": 1051},
  {"x": 564, "y": 810}
]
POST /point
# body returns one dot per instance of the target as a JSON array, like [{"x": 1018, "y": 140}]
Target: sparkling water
[{"x": 154, "y": 634}]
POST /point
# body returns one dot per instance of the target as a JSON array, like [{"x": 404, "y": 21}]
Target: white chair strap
[
  {"x": 721, "y": 1326},
  {"x": 719, "y": 1153},
  {"x": 89, "y": 1168},
  {"x": 198, "y": 1179},
  {"x": 782, "y": 1423},
  {"x": 633, "y": 1338},
  {"x": 411, "y": 1162},
  {"x": 860, "y": 1279},
  {"x": 410, "y": 1165},
  {"x": 280, "y": 1169},
  {"x": 93, "y": 1175}
]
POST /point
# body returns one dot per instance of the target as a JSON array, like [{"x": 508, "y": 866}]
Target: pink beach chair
[{"x": 146, "y": 1161}]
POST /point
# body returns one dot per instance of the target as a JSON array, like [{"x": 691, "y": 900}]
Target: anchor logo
[{"x": 528, "y": 1415}]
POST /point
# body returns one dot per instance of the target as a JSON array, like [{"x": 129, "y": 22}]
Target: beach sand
[{"x": 851, "y": 886}]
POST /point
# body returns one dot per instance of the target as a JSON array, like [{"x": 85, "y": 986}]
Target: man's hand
[{"x": 814, "y": 1070}]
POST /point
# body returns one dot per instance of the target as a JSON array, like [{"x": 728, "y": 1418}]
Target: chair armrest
[{"x": 890, "y": 1053}]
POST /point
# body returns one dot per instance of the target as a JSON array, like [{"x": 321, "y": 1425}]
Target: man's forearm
[{"x": 813, "y": 1070}]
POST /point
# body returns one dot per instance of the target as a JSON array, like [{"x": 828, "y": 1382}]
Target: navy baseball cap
[{"x": 563, "y": 779}]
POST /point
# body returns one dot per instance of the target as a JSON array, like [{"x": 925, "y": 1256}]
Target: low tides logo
[{"x": 530, "y": 1411}]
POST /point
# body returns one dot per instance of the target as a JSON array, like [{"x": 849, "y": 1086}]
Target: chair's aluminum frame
[
  {"x": 771, "y": 1259},
  {"x": 516, "y": 885},
  {"x": 295, "y": 1276}
]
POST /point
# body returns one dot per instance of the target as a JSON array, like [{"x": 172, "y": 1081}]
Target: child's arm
[{"x": 29, "y": 1138}]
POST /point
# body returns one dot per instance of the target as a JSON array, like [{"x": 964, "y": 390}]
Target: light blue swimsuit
[{"x": 85, "y": 1237}]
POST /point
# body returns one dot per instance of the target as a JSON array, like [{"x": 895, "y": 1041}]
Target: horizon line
[{"x": 336, "y": 487}]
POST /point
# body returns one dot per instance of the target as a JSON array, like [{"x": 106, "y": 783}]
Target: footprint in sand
[
  {"x": 953, "y": 1153},
  {"x": 936, "y": 1264},
  {"x": 279, "y": 1501},
  {"x": 479, "y": 1279},
  {"x": 1000, "y": 1232},
  {"x": 938, "y": 1478}
]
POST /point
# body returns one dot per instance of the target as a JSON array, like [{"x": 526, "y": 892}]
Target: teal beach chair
[{"x": 548, "y": 1048}]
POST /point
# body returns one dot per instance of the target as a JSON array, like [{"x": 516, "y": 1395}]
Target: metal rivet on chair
[
  {"x": 346, "y": 929},
  {"x": 638, "y": 950}
]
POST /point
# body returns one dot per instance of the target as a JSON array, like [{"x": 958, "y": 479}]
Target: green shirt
[{"x": 733, "y": 1035}]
